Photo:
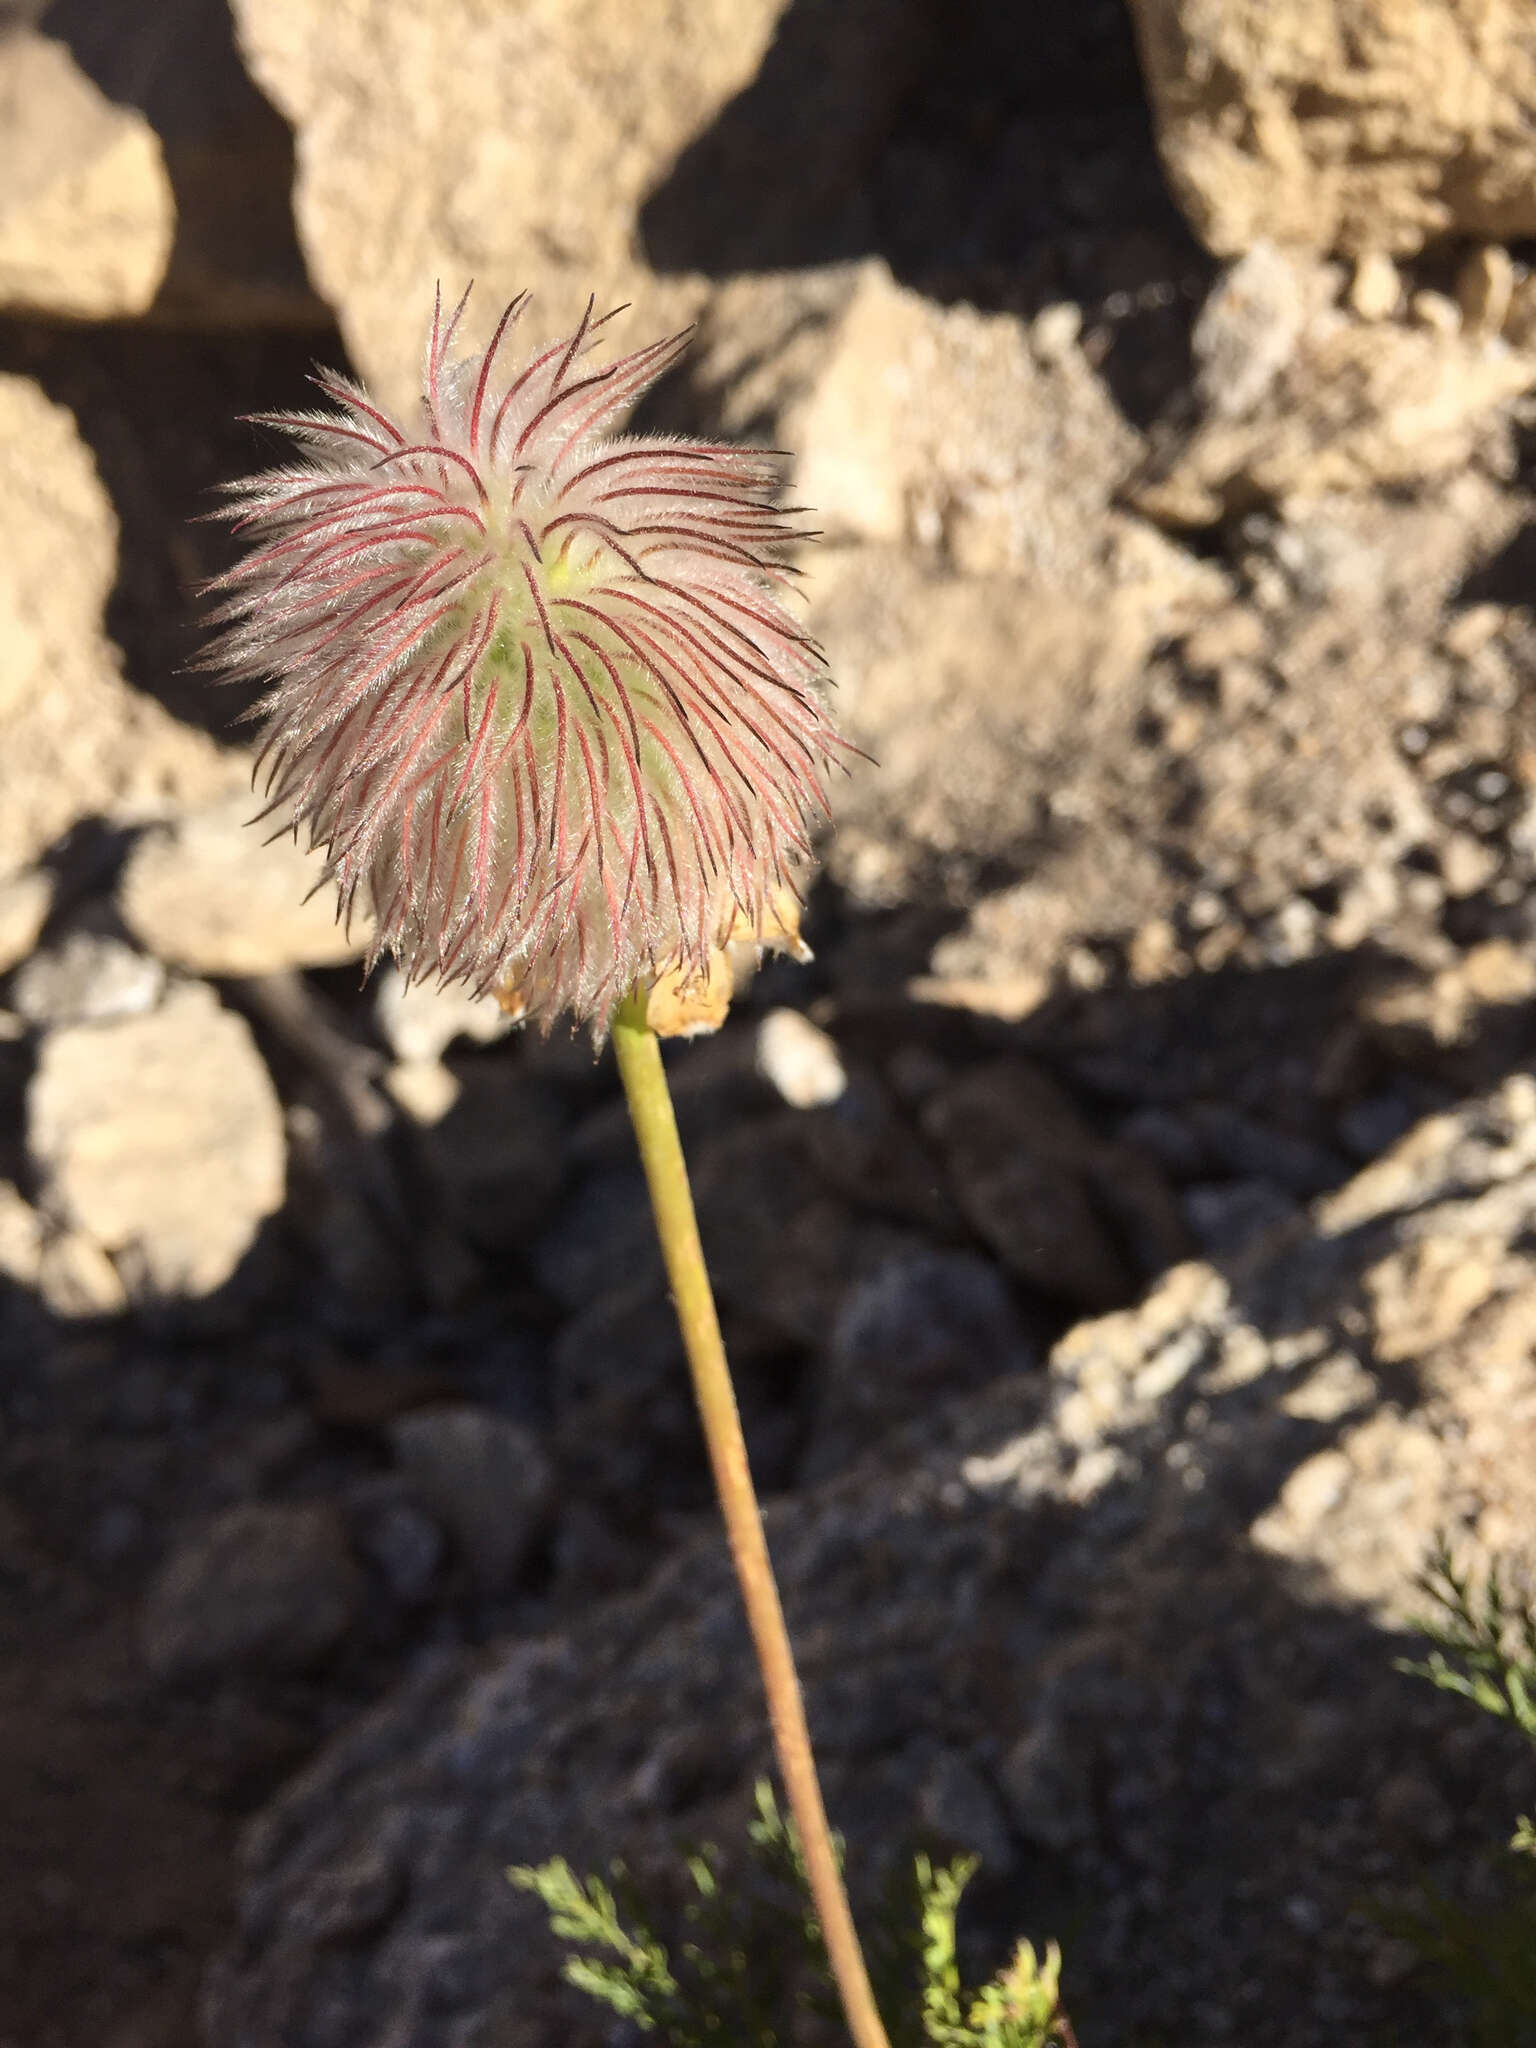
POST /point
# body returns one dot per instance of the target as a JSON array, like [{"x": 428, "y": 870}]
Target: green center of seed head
[
  {"x": 501, "y": 667},
  {"x": 501, "y": 671}
]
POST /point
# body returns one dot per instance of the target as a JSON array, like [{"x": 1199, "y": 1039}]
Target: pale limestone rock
[
  {"x": 424, "y": 1089},
  {"x": 1251, "y": 325},
  {"x": 1485, "y": 289},
  {"x": 234, "y": 260},
  {"x": 942, "y": 441},
  {"x": 75, "y": 740},
  {"x": 511, "y": 143},
  {"x": 1069, "y": 751},
  {"x": 215, "y": 894},
  {"x": 1446, "y": 1008},
  {"x": 76, "y": 1278},
  {"x": 799, "y": 1060},
  {"x": 25, "y": 901},
  {"x": 70, "y": 1274},
  {"x": 86, "y": 979},
  {"x": 161, "y": 1138},
  {"x": 418, "y": 1021},
  {"x": 929, "y": 424},
  {"x": 21, "y": 1236},
  {"x": 1345, "y": 127},
  {"x": 1376, "y": 288},
  {"x": 1299, "y": 400},
  {"x": 976, "y": 695},
  {"x": 87, "y": 215},
  {"x": 1435, "y": 311}
]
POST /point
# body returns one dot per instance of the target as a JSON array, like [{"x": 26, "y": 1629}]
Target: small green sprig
[
  {"x": 753, "y": 1971},
  {"x": 640, "y": 1985},
  {"x": 1020, "y": 2008},
  {"x": 1483, "y": 1631},
  {"x": 1484, "y": 1640},
  {"x": 714, "y": 1992}
]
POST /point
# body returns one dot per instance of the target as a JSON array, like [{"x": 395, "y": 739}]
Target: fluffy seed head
[{"x": 532, "y": 684}]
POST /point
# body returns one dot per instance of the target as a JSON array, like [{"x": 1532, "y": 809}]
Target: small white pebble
[
  {"x": 1376, "y": 287},
  {"x": 420, "y": 1022},
  {"x": 1054, "y": 331},
  {"x": 424, "y": 1089},
  {"x": 1436, "y": 312},
  {"x": 1206, "y": 910},
  {"x": 799, "y": 1060}
]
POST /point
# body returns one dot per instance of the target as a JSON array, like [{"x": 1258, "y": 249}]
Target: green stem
[{"x": 666, "y": 1173}]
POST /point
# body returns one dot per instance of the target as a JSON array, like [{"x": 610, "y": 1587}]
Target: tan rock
[
  {"x": 87, "y": 978},
  {"x": 76, "y": 1278},
  {"x": 1328, "y": 126},
  {"x": 1485, "y": 287},
  {"x": 419, "y": 1020},
  {"x": 75, "y": 740},
  {"x": 25, "y": 901},
  {"x": 1376, "y": 288},
  {"x": 1252, "y": 325},
  {"x": 1435, "y": 311},
  {"x": 70, "y": 1274},
  {"x": 1039, "y": 740},
  {"x": 1520, "y": 321},
  {"x": 938, "y": 425},
  {"x": 87, "y": 215},
  {"x": 1299, "y": 400},
  {"x": 213, "y": 893},
  {"x": 424, "y": 1089},
  {"x": 513, "y": 143},
  {"x": 941, "y": 442},
  {"x": 1154, "y": 952},
  {"x": 973, "y": 694},
  {"x": 799, "y": 1060},
  {"x": 763, "y": 340},
  {"x": 1444, "y": 1009},
  {"x": 161, "y": 1138},
  {"x": 227, "y": 152},
  {"x": 1360, "y": 1510}
]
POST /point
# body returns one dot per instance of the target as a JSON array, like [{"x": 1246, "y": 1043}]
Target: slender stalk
[{"x": 666, "y": 1173}]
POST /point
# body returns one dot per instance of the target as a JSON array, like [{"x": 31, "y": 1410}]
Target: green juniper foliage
[
  {"x": 1484, "y": 1650},
  {"x": 1017, "y": 2009},
  {"x": 1485, "y": 1643},
  {"x": 753, "y": 1971}
]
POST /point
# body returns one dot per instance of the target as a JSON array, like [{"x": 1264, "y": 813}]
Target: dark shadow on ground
[
  {"x": 1000, "y": 156},
  {"x": 235, "y": 261},
  {"x": 1509, "y": 577}
]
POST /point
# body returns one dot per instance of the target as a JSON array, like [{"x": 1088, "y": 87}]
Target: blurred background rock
[{"x": 1123, "y": 1229}]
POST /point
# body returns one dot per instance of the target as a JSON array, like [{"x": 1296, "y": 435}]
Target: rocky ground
[{"x": 1123, "y": 1229}]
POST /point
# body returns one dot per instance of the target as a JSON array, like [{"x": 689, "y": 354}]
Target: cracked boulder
[
  {"x": 1375, "y": 127},
  {"x": 1125, "y": 1627}
]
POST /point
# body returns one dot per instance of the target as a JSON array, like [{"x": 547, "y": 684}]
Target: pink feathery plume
[{"x": 532, "y": 684}]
